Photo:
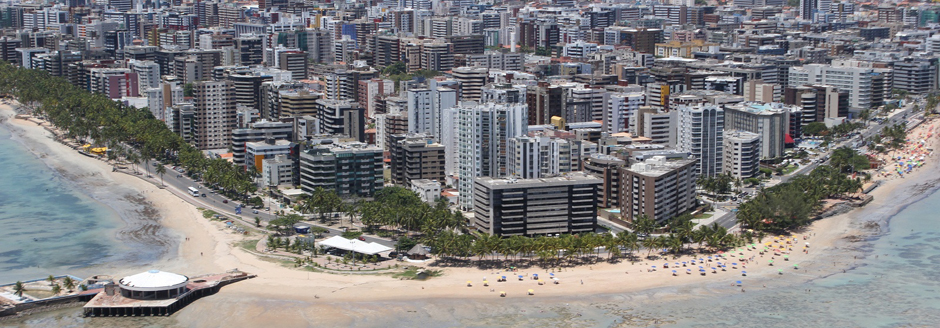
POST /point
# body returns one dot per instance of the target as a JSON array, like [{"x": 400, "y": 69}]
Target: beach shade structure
[
  {"x": 771, "y": 263},
  {"x": 535, "y": 276},
  {"x": 665, "y": 265},
  {"x": 709, "y": 258},
  {"x": 486, "y": 283},
  {"x": 551, "y": 274},
  {"x": 780, "y": 272},
  {"x": 469, "y": 284},
  {"x": 531, "y": 292},
  {"x": 701, "y": 267},
  {"x": 502, "y": 294},
  {"x": 555, "y": 280},
  {"x": 654, "y": 267},
  {"x": 734, "y": 265},
  {"x": 724, "y": 268},
  {"x": 738, "y": 283},
  {"x": 673, "y": 272},
  {"x": 683, "y": 263},
  {"x": 702, "y": 271},
  {"x": 688, "y": 271},
  {"x": 786, "y": 257},
  {"x": 714, "y": 270},
  {"x": 504, "y": 278},
  {"x": 744, "y": 273},
  {"x": 795, "y": 267},
  {"x": 540, "y": 282},
  {"x": 807, "y": 245},
  {"x": 520, "y": 277}
]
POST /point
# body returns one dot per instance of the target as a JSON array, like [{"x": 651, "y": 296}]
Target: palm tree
[
  {"x": 56, "y": 289},
  {"x": 161, "y": 170},
  {"x": 19, "y": 289},
  {"x": 650, "y": 243},
  {"x": 51, "y": 280},
  {"x": 68, "y": 283}
]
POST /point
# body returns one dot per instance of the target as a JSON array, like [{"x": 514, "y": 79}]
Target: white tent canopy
[{"x": 355, "y": 245}]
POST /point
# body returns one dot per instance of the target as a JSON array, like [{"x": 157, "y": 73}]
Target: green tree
[
  {"x": 56, "y": 289},
  {"x": 68, "y": 283},
  {"x": 161, "y": 170},
  {"x": 188, "y": 90},
  {"x": 51, "y": 280},
  {"x": 19, "y": 288},
  {"x": 815, "y": 129}
]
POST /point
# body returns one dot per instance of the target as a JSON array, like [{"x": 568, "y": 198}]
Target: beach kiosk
[
  {"x": 153, "y": 285},
  {"x": 418, "y": 252}
]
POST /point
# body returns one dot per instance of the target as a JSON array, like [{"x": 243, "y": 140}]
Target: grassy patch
[
  {"x": 209, "y": 214},
  {"x": 415, "y": 273},
  {"x": 789, "y": 169},
  {"x": 705, "y": 215},
  {"x": 249, "y": 244}
]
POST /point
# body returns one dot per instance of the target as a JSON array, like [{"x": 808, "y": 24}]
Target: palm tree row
[
  {"x": 94, "y": 118},
  {"x": 449, "y": 244}
]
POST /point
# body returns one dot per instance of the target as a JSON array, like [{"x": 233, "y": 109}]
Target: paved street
[{"x": 214, "y": 202}]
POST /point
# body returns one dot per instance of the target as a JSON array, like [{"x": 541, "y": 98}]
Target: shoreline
[{"x": 282, "y": 285}]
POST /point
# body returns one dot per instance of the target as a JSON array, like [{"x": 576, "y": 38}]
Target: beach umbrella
[
  {"x": 531, "y": 292},
  {"x": 683, "y": 263},
  {"x": 744, "y": 273},
  {"x": 780, "y": 271},
  {"x": 673, "y": 272},
  {"x": 520, "y": 277},
  {"x": 504, "y": 278},
  {"x": 502, "y": 294},
  {"x": 469, "y": 284},
  {"x": 551, "y": 274}
]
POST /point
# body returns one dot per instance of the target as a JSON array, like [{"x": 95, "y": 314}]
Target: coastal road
[{"x": 214, "y": 201}]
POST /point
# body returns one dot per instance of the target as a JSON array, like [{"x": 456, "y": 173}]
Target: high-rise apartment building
[
  {"x": 658, "y": 188},
  {"x": 215, "y": 113},
  {"x": 349, "y": 169},
  {"x": 536, "y": 207},
  {"x": 701, "y": 129},
  {"x": 483, "y": 133},
  {"x": 742, "y": 154}
]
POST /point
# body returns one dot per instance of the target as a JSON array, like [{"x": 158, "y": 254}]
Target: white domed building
[{"x": 153, "y": 285}]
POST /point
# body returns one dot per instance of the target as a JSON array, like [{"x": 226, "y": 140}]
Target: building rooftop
[
  {"x": 658, "y": 165},
  {"x": 153, "y": 279},
  {"x": 574, "y": 178}
]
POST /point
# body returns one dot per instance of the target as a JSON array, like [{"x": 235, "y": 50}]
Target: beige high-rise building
[
  {"x": 215, "y": 113},
  {"x": 757, "y": 90},
  {"x": 659, "y": 188}
]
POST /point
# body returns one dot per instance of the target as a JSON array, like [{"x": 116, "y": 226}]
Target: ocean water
[{"x": 48, "y": 224}]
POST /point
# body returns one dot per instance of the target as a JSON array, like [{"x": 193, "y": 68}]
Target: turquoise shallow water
[{"x": 47, "y": 223}]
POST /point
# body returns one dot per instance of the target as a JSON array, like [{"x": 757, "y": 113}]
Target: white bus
[{"x": 194, "y": 192}]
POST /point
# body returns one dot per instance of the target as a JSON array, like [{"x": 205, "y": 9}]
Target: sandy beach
[{"x": 194, "y": 245}]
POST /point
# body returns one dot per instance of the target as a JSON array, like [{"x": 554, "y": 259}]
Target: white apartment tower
[
  {"x": 621, "y": 107},
  {"x": 483, "y": 132},
  {"x": 701, "y": 129}
]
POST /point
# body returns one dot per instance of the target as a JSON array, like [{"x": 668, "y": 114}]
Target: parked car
[
  {"x": 203, "y": 195},
  {"x": 362, "y": 238},
  {"x": 225, "y": 201}
]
